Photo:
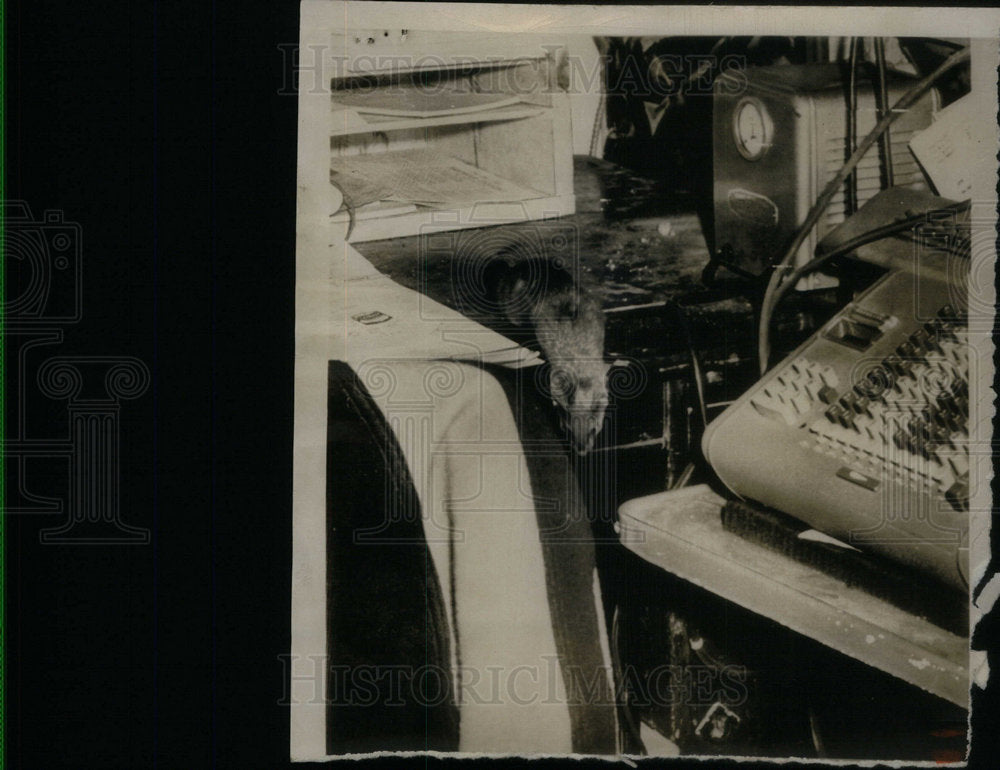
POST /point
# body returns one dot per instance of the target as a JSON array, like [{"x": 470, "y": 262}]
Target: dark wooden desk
[
  {"x": 640, "y": 245},
  {"x": 637, "y": 241}
]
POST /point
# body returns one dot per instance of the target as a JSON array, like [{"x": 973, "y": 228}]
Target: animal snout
[{"x": 584, "y": 424}]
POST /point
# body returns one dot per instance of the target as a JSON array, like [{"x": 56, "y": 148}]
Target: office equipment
[
  {"x": 862, "y": 432},
  {"x": 885, "y": 579},
  {"x": 780, "y": 135},
  {"x": 481, "y": 108},
  {"x": 682, "y": 533}
]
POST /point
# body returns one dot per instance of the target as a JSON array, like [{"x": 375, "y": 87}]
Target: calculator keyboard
[{"x": 863, "y": 431}]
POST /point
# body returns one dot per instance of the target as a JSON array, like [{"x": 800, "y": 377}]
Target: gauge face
[{"x": 752, "y": 129}]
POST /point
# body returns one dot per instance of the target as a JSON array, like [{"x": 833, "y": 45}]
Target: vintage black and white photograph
[{"x": 643, "y": 381}]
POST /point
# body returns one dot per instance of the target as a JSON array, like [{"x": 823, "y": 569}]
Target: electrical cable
[
  {"x": 684, "y": 477},
  {"x": 697, "y": 374},
  {"x": 852, "y": 127},
  {"x": 821, "y": 204},
  {"x": 883, "y": 106},
  {"x": 696, "y": 369},
  {"x": 857, "y": 242},
  {"x": 911, "y": 96}
]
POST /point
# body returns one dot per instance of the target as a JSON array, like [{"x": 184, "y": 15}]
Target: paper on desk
[
  {"x": 954, "y": 151},
  {"x": 345, "y": 120},
  {"x": 423, "y": 177},
  {"x": 386, "y": 320},
  {"x": 356, "y": 187},
  {"x": 376, "y": 210},
  {"x": 422, "y": 103},
  {"x": 372, "y": 316}
]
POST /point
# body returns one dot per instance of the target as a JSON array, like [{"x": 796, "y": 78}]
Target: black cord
[
  {"x": 857, "y": 242},
  {"x": 696, "y": 368},
  {"x": 899, "y": 108},
  {"x": 852, "y": 127},
  {"x": 698, "y": 375},
  {"x": 684, "y": 477},
  {"x": 883, "y": 107}
]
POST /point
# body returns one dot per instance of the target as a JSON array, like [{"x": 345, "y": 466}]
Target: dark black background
[{"x": 160, "y": 129}]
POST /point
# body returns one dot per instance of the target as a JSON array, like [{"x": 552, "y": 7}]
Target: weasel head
[{"x": 580, "y": 389}]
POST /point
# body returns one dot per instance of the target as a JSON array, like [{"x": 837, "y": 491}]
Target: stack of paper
[
  {"x": 383, "y": 319},
  {"x": 421, "y": 102},
  {"x": 421, "y": 177},
  {"x": 952, "y": 148}
]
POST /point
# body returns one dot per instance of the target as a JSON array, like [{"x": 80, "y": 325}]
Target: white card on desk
[
  {"x": 384, "y": 319},
  {"x": 950, "y": 148}
]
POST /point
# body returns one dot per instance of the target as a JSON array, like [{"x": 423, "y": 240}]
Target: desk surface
[
  {"x": 682, "y": 533},
  {"x": 639, "y": 241}
]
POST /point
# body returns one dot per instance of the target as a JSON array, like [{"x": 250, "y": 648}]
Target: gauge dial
[{"x": 752, "y": 129}]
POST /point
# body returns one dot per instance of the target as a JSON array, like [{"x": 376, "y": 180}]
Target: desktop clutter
[{"x": 757, "y": 356}]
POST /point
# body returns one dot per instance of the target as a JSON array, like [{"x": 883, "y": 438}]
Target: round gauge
[{"x": 752, "y": 129}]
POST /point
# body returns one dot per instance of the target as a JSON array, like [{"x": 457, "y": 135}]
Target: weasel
[{"x": 568, "y": 323}]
